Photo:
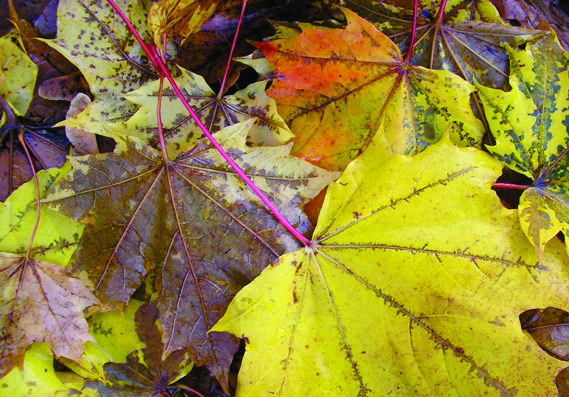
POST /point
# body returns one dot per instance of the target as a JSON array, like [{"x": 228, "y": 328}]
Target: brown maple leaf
[{"x": 40, "y": 302}]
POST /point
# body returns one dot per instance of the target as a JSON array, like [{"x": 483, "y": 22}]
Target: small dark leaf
[{"x": 550, "y": 329}]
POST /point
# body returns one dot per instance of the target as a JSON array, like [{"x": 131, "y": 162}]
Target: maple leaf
[
  {"x": 145, "y": 372},
  {"x": 107, "y": 55},
  {"x": 461, "y": 40},
  {"x": 362, "y": 69},
  {"x": 529, "y": 123},
  {"x": 216, "y": 113},
  {"x": 193, "y": 222},
  {"x": 179, "y": 18},
  {"x": 40, "y": 302},
  {"x": 415, "y": 281},
  {"x": 17, "y": 76}
]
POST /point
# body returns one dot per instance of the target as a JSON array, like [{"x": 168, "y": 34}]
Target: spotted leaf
[
  {"x": 414, "y": 283},
  {"x": 363, "y": 70},
  {"x": 530, "y": 123}
]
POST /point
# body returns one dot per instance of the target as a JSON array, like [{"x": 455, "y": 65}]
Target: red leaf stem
[
  {"x": 38, "y": 198},
  {"x": 162, "y": 68},
  {"x": 220, "y": 94},
  {"x": 510, "y": 186},
  {"x": 441, "y": 11},
  {"x": 413, "y": 32}
]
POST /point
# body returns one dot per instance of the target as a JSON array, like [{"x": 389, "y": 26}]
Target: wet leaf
[
  {"x": 193, "y": 223},
  {"x": 216, "y": 113},
  {"x": 145, "y": 372},
  {"x": 468, "y": 40},
  {"x": 413, "y": 285},
  {"x": 364, "y": 70},
  {"x": 529, "y": 123}
]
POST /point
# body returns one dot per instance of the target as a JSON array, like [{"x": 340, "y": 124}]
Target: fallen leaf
[
  {"x": 18, "y": 75},
  {"x": 145, "y": 372},
  {"x": 47, "y": 151},
  {"x": 413, "y": 286},
  {"x": 83, "y": 142},
  {"x": 179, "y": 18},
  {"x": 537, "y": 14},
  {"x": 529, "y": 123},
  {"x": 37, "y": 377},
  {"x": 40, "y": 302},
  {"x": 115, "y": 338},
  {"x": 550, "y": 329},
  {"x": 469, "y": 39},
  {"x": 363, "y": 69},
  {"x": 216, "y": 113},
  {"x": 57, "y": 235},
  {"x": 193, "y": 223},
  {"x": 110, "y": 59}
]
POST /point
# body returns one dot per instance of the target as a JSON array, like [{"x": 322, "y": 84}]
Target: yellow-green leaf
[
  {"x": 56, "y": 236},
  {"x": 181, "y": 131},
  {"x": 37, "y": 378},
  {"x": 413, "y": 286},
  {"x": 17, "y": 75},
  {"x": 530, "y": 124},
  {"x": 108, "y": 329},
  {"x": 93, "y": 37}
]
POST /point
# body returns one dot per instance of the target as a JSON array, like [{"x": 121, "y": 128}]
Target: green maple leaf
[
  {"x": 193, "y": 223},
  {"x": 362, "y": 69},
  {"x": 93, "y": 37},
  {"x": 17, "y": 76},
  {"x": 530, "y": 124},
  {"x": 216, "y": 113},
  {"x": 413, "y": 286},
  {"x": 470, "y": 39}
]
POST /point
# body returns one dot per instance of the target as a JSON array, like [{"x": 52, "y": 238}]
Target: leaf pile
[{"x": 154, "y": 257}]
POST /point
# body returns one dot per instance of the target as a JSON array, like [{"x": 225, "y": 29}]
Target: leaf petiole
[
  {"x": 413, "y": 32},
  {"x": 38, "y": 198},
  {"x": 222, "y": 88},
  {"x": 162, "y": 68},
  {"x": 510, "y": 186},
  {"x": 441, "y": 12}
]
